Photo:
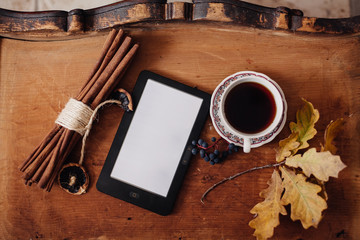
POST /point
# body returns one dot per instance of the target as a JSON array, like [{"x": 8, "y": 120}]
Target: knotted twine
[{"x": 79, "y": 117}]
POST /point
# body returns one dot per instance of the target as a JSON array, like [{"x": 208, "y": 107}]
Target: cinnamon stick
[
  {"x": 108, "y": 55},
  {"x": 42, "y": 182},
  {"x": 114, "y": 78},
  {"x": 40, "y": 171},
  {"x": 33, "y": 166},
  {"x": 40, "y": 148},
  {"x": 43, "y": 165},
  {"x": 75, "y": 138},
  {"x": 110, "y": 68},
  {"x": 108, "y": 43}
]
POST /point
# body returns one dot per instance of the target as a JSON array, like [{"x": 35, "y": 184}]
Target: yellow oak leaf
[
  {"x": 332, "y": 130},
  {"x": 306, "y": 118},
  {"x": 287, "y": 146},
  {"x": 320, "y": 164},
  {"x": 267, "y": 212},
  {"x": 306, "y": 204}
]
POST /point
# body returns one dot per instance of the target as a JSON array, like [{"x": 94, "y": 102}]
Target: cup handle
[{"x": 246, "y": 145}]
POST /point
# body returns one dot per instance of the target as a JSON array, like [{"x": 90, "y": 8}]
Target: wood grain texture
[
  {"x": 55, "y": 24},
  {"x": 37, "y": 78}
]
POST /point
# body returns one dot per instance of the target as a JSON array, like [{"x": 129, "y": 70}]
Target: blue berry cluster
[{"x": 211, "y": 153}]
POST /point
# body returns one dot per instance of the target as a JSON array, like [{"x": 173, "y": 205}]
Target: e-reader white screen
[{"x": 156, "y": 138}]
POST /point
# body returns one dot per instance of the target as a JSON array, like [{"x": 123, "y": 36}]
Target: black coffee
[{"x": 250, "y": 107}]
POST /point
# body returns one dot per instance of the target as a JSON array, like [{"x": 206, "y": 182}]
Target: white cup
[{"x": 229, "y": 132}]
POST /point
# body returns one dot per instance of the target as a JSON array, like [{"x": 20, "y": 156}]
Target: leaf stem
[{"x": 237, "y": 175}]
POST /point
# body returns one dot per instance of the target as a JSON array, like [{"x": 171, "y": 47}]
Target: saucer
[{"x": 219, "y": 122}]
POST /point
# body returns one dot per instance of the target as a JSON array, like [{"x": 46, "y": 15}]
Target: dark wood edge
[{"x": 131, "y": 12}]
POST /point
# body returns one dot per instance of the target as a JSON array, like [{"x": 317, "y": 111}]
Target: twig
[
  {"x": 212, "y": 145},
  {"x": 237, "y": 175}
]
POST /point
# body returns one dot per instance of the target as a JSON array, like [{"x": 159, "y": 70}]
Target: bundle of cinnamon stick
[{"x": 43, "y": 165}]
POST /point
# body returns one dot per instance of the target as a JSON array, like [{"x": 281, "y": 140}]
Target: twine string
[
  {"x": 79, "y": 117},
  {"x": 75, "y": 116}
]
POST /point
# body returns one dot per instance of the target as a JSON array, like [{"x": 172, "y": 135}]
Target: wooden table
[{"x": 197, "y": 44}]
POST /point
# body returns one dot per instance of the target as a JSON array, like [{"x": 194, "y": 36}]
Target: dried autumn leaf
[
  {"x": 332, "y": 130},
  {"x": 268, "y": 211},
  {"x": 287, "y": 146},
  {"x": 320, "y": 164},
  {"x": 306, "y": 118},
  {"x": 306, "y": 204}
]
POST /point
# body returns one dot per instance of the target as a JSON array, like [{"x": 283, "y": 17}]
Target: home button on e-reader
[{"x": 134, "y": 195}]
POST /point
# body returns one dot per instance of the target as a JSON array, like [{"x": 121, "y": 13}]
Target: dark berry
[
  {"x": 231, "y": 146},
  {"x": 122, "y": 96},
  {"x": 204, "y": 145},
  {"x": 202, "y": 153},
  {"x": 206, "y": 158},
  {"x": 216, "y": 160},
  {"x": 200, "y": 142},
  {"x": 194, "y": 151},
  {"x": 193, "y": 143},
  {"x": 216, "y": 152},
  {"x": 212, "y": 156},
  {"x": 212, "y": 162},
  {"x": 213, "y": 139}
]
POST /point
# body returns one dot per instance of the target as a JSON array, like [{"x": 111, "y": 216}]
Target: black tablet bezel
[{"x": 129, "y": 193}]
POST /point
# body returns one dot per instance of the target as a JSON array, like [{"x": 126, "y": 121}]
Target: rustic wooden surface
[
  {"x": 62, "y": 24},
  {"x": 37, "y": 78}
]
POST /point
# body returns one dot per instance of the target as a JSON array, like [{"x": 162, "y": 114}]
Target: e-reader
[{"x": 149, "y": 156}]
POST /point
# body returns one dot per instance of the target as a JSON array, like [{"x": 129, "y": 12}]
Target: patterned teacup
[{"x": 248, "y": 109}]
